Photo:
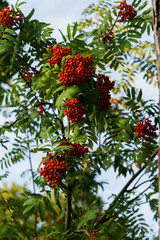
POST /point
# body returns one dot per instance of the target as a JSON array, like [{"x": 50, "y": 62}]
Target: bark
[{"x": 156, "y": 28}]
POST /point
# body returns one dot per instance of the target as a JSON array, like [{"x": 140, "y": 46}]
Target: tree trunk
[{"x": 156, "y": 28}]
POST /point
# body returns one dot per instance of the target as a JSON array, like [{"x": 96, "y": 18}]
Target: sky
[{"x": 59, "y": 14}]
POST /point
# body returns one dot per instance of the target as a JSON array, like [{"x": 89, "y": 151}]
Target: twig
[
  {"x": 68, "y": 209},
  {"x": 135, "y": 187},
  {"x": 22, "y": 58},
  {"x": 124, "y": 189}
]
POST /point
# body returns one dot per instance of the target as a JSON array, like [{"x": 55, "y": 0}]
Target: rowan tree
[{"x": 75, "y": 102}]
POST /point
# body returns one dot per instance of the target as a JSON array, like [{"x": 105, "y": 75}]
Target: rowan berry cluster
[
  {"x": 108, "y": 37},
  {"x": 75, "y": 111},
  {"x": 77, "y": 70},
  {"x": 8, "y": 18},
  {"x": 145, "y": 129},
  {"x": 115, "y": 101},
  {"x": 80, "y": 215},
  {"x": 126, "y": 11},
  {"x": 58, "y": 53},
  {"x": 104, "y": 85},
  {"x": 36, "y": 238},
  {"x": 93, "y": 235},
  {"x": 54, "y": 169},
  {"x": 77, "y": 150},
  {"x": 28, "y": 75},
  {"x": 41, "y": 109}
]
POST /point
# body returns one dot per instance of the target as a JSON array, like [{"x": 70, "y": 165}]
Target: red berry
[
  {"x": 8, "y": 18},
  {"x": 126, "y": 11},
  {"x": 104, "y": 85},
  {"x": 75, "y": 111},
  {"x": 77, "y": 70},
  {"x": 58, "y": 53},
  {"x": 145, "y": 129}
]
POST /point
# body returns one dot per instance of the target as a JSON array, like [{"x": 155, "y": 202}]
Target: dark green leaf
[
  {"x": 69, "y": 31},
  {"x": 74, "y": 30}
]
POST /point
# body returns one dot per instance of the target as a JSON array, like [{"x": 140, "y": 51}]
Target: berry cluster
[
  {"x": 77, "y": 70},
  {"x": 36, "y": 238},
  {"x": 54, "y": 169},
  {"x": 108, "y": 37},
  {"x": 75, "y": 111},
  {"x": 104, "y": 85},
  {"x": 115, "y": 101},
  {"x": 8, "y": 18},
  {"x": 80, "y": 215},
  {"x": 93, "y": 235},
  {"x": 58, "y": 53},
  {"x": 28, "y": 75},
  {"x": 77, "y": 149},
  {"x": 145, "y": 129},
  {"x": 41, "y": 109},
  {"x": 126, "y": 11}
]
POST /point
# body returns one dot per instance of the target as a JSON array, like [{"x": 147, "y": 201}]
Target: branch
[
  {"x": 141, "y": 193},
  {"x": 77, "y": 231},
  {"x": 124, "y": 189},
  {"x": 68, "y": 209},
  {"x": 135, "y": 187},
  {"x": 28, "y": 65}
]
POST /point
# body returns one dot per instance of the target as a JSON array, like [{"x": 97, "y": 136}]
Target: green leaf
[
  {"x": 133, "y": 92},
  {"x": 74, "y": 30},
  {"x": 143, "y": 27},
  {"x": 148, "y": 30},
  {"x": 30, "y": 15},
  {"x": 59, "y": 89},
  {"x": 143, "y": 5},
  {"x": 72, "y": 92},
  {"x": 21, "y": 3},
  {"x": 64, "y": 38},
  {"x": 59, "y": 100},
  {"x": 148, "y": 11},
  {"x": 30, "y": 201},
  {"x": 41, "y": 211},
  {"x": 69, "y": 31},
  {"x": 139, "y": 96},
  {"x": 29, "y": 208},
  {"x": 126, "y": 45}
]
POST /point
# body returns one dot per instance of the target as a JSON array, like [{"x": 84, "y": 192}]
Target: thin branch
[
  {"x": 124, "y": 189},
  {"x": 77, "y": 231},
  {"x": 33, "y": 69},
  {"x": 139, "y": 179},
  {"x": 9, "y": 126},
  {"x": 141, "y": 192},
  {"x": 114, "y": 23},
  {"x": 135, "y": 187},
  {"x": 68, "y": 209}
]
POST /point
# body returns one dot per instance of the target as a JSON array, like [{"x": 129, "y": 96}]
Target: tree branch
[
  {"x": 135, "y": 187},
  {"x": 124, "y": 189},
  {"x": 68, "y": 209}
]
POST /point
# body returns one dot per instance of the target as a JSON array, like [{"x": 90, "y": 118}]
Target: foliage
[{"x": 59, "y": 95}]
